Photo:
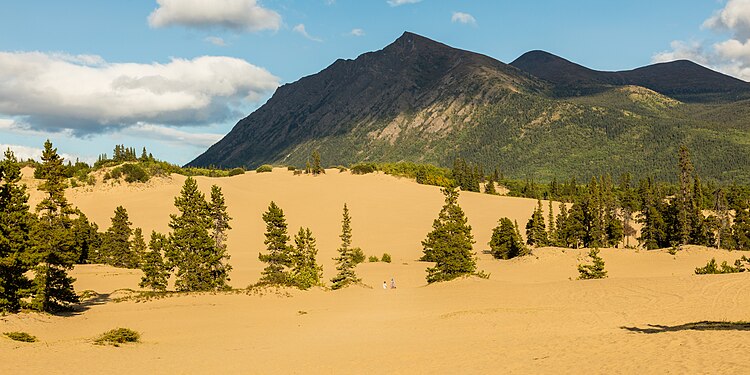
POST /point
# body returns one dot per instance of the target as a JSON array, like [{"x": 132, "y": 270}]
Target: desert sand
[{"x": 531, "y": 316}]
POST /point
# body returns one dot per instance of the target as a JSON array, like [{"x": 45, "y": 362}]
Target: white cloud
[
  {"x": 395, "y": 3},
  {"x": 464, "y": 18},
  {"x": 172, "y": 135},
  {"x": 25, "y": 152},
  {"x": 54, "y": 92},
  {"x": 240, "y": 15},
  {"x": 215, "y": 40},
  {"x": 357, "y": 32},
  {"x": 730, "y": 56},
  {"x": 300, "y": 29}
]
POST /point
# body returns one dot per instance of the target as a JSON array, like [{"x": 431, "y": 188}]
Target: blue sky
[{"x": 176, "y": 75}]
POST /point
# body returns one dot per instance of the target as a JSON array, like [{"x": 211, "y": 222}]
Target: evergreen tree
[
  {"x": 723, "y": 228},
  {"x": 506, "y": 242},
  {"x": 218, "y": 260},
  {"x": 741, "y": 227},
  {"x": 138, "y": 245},
  {"x": 536, "y": 232},
  {"x": 654, "y": 228},
  {"x": 449, "y": 244},
  {"x": 594, "y": 270},
  {"x": 117, "y": 248},
  {"x": 155, "y": 272},
  {"x": 15, "y": 226},
  {"x": 316, "y": 167},
  {"x": 489, "y": 187},
  {"x": 563, "y": 235},
  {"x": 278, "y": 258},
  {"x": 86, "y": 237},
  {"x": 575, "y": 226},
  {"x": 306, "y": 272},
  {"x": 591, "y": 206},
  {"x": 685, "y": 200},
  {"x": 144, "y": 155},
  {"x": 192, "y": 252},
  {"x": 345, "y": 262},
  {"x": 552, "y": 231},
  {"x": 53, "y": 246},
  {"x": 700, "y": 231}
]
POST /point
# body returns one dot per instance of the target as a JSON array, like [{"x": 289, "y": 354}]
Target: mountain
[
  {"x": 541, "y": 117},
  {"x": 681, "y": 79}
]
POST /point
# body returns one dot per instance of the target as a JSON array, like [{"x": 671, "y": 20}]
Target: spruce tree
[
  {"x": 138, "y": 246},
  {"x": 489, "y": 187},
  {"x": 594, "y": 270},
  {"x": 345, "y": 262},
  {"x": 684, "y": 200},
  {"x": 449, "y": 244},
  {"x": 561, "y": 224},
  {"x": 316, "y": 168},
  {"x": 155, "y": 272},
  {"x": 278, "y": 257},
  {"x": 575, "y": 225},
  {"x": 117, "y": 248},
  {"x": 552, "y": 231},
  {"x": 506, "y": 242},
  {"x": 654, "y": 228},
  {"x": 218, "y": 260},
  {"x": 591, "y": 206},
  {"x": 54, "y": 250},
  {"x": 723, "y": 228},
  {"x": 536, "y": 232},
  {"x": 87, "y": 238},
  {"x": 15, "y": 227},
  {"x": 192, "y": 252},
  {"x": 306, "y": 272}
]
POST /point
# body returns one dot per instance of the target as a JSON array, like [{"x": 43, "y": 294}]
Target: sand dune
[{"x": 531, "y": 316}]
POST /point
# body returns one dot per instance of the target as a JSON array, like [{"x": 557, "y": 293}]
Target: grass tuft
[
  {"x": 118, "y": 336},
  {"x": 20, "y": 336}
]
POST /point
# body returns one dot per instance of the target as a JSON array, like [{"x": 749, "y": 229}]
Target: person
[
  {"x": 393, "y": 283},
  {"x": 385, "y": 285}
]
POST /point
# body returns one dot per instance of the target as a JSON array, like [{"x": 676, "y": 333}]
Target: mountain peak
[{"x": 410, "y": 42}]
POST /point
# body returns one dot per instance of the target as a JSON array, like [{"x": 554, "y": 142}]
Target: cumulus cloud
[
  {"x": 215, "y": 40},
  {"x": 730, "y": 56},
  {"x": 465, "y": 18},
  {"x": 300, "y": 29},
  {"x": 357, "y": 32},
  {"x": 55, "y": 92},
  {"x": 172, "y": 135},
  {"x": 239, "y": 15},
  {"x": 25, "y": 152},
  {"x": 395, "y": 3}
]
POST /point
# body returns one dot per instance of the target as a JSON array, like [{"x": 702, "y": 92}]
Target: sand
[{"x": 531, "y": 316}]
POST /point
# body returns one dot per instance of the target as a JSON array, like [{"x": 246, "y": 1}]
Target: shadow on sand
[
  {"x": 695, "y": 326},
  {"x": 81, "y": 307}
]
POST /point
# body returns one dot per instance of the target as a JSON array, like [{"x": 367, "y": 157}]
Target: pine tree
[
  {"x": 489, "y": 187},
  {"x": 54, "y": 249},
  {"x": 506, "y": 242},
  {"x": 316, "y": 167},
  {"x": 138, "y": 246},
  {"x": 654, "y": 228},
  {"x": 594, "y": 270},
  {"x": 278, "y": 258},
  {"x": 87, "y": 238},
  {"x": 15, "y": 227},
  {"x": 345, "y": 262},
  {"x": 561, "y": 224},
  {"x": 116, "y": 244},
  {"x": 306, "y": 272},
  {"x": 449, "y": 244},
  {"x": 536, "y": 232},
  {"x": 218, "y": 260},
  {"x": 155, "y": 272},
  {"x": 591, "y": 206},
  {"x": 552, "y": 231},
  {"x": 191, "y": 250},
  {"x": 723, "y": 230},
  {"x": 684, "y": 201}
]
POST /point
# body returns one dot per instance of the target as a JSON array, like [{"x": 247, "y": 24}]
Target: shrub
[
  {"x": 20, "y": 336},
  {"x": 358, "y": 256},
  {"x": 236, "y": 172},
  {"x": 118, "y": 336},
  {"x": 712, "y": 268},
  {"x": 364, "y": 168},
  {"x": 291, "y": 168},
  {"x": 341, "y": 168},
  {"x": 386, "y": 258},
  {"x": 297, "y": 172},
  {"x": 134, "y": 173},
  {"x": 592, "y": 271},
  {"x": 373, "y": 259},
  {"x": 264, "y": 168}
]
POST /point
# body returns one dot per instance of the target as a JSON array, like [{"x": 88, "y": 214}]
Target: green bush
[
  {"x": 20, "y": 336},
  {"x": 236, "y": 172},
  {"x": 373, "y": 259},
  {"x": 291, "y": 168},
  {"x": 134, "y": 173},
  {"x": 358, "y": 256},
  {"x": 386, "y": 258},
  {"x": 713, "y": 268},
  {"x": 342, "y": 168},
  {"x": 363, "y": 168},
  {"x": 592, "y": 271},
  {"x": 264, "y": 168},
  {"x": 118, "y": 336}
]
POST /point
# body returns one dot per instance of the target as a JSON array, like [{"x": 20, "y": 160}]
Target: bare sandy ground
[{"x": 531, "y": 316}]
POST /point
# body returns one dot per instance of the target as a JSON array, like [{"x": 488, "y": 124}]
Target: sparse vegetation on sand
[
  {"x": 118, "y": 336},
  {"x": 20, "y": 336},
  {"x": 595, "y": 270}
]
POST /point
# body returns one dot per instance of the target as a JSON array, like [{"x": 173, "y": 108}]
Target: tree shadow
[
  {"x": 695, "y": 326},
  {"x": 83, "y": 306}
]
